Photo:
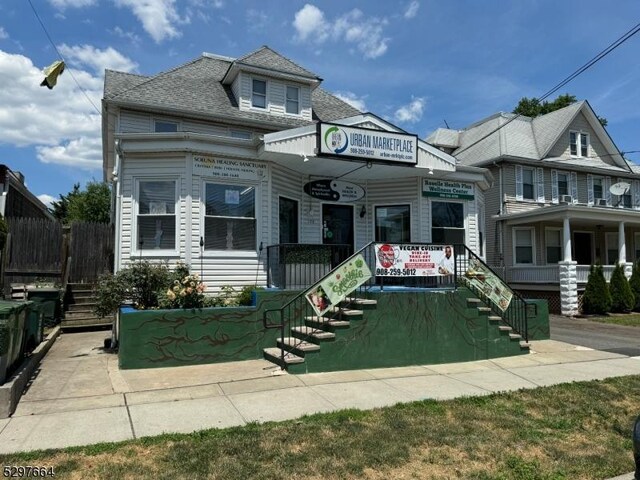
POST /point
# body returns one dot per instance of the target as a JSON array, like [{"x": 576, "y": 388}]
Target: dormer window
[
  {"x": 579, "y": 144},
  {"x": 293, "y": 100},
  {"x": 259, "y": 93}
]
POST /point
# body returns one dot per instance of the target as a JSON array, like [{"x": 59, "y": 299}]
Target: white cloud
[
  {"x": 412, "y": 9},
  {"x": 62, "y": 4},
  {"x": 60, "y": 123},
  {"x": 159, "y": 18},
  {"x": 98, "y": 60},
  {"x": 257, "y": 20},
  {"x": 412, "y": 112},
  {"x": 3, "y": 33},
  {"x": 365, "y": 33},
  {"x": 308, "y": 21},
  {"x": 47, "y": 199},
  {"x": 131, "y": 36},
  {"x": 353, "y": 100}
]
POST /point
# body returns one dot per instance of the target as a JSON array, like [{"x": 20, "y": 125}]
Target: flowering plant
[{"x": 185, "y": 291}]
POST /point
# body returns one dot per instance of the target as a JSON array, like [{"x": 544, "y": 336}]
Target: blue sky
[{"x": 416, "y": 63}]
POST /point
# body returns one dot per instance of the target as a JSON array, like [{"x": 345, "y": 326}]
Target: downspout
[
  {"x": 116, "y": 195},
  {"x": 500, "y": 242}
]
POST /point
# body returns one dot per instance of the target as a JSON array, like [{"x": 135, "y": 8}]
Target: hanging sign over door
[{"x": 334, "y": 190}]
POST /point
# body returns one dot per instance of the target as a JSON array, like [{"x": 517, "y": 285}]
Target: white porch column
[
  {"x": 566, "y": 237},
  {"x": 622, "y": 249}
]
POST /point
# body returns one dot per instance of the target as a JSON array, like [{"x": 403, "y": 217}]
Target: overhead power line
[{"x": 561, "y": 84}]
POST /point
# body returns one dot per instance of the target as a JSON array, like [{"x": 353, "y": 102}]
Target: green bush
[
  {"x": 634, "y": 283},
  {"x": 244, "y": 297},
  {"x": 622, "y": 297},
  {"x": 596, "y": 298},
  {"x": 185, "y": 290}
]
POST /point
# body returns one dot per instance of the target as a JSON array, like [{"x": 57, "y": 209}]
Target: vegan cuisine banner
[
  {"x": 489, "y": 284},
  {"x": 332, "y": 290},
  {"x": 414, "y": 260}
]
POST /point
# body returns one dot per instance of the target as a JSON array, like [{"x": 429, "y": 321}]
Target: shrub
[
  {"x": 140, "y": 283},
  {"x": 622, "y": 298},
  {"x": 634, "y": 283},
  {"x": 244, "y": 297},
  {"x": 596, "y": 298},
  {"x": 185, "y": 290}
]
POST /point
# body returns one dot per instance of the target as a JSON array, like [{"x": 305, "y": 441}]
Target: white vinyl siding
[{"x": 276, "y": 96}]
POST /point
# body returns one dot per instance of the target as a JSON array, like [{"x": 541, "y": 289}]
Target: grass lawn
[
  {"x": 572, "y": 431},
  {"x": 629, "y": 319}
]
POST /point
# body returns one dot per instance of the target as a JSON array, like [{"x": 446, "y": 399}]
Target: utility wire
[
  {"x": 62, "y": 58},
  {"x": 579, "y": 71}
]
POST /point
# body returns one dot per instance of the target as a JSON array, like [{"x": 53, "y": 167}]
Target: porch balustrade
[
  {"x": 550, "y": 273},
  {"x": 583, "y": 272}
]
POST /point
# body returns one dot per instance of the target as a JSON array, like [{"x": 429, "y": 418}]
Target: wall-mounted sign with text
[
  {"x": 373, "y": 145},
  {"x": 334, "y": 190},
  {"x": 227, "y": 168},
  {"x": 446, "y": 189}
]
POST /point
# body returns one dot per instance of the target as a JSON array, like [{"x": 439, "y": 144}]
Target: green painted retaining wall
[
  {"x": 169, "y": 338},
  {"x": 539, "y": 322}
]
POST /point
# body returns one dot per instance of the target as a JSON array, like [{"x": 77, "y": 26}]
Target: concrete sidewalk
[{"x": 80, "y": 397}]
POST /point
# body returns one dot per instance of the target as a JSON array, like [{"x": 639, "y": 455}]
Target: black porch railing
[{"x": 295, "y": 266}]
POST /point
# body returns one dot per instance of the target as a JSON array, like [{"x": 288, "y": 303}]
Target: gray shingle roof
[
  {"x": 265, "y": 57},
  {"x": 195, "y": 89},
  {"x": 547, "y": 128},
  {"x": 585, "y": 162}
]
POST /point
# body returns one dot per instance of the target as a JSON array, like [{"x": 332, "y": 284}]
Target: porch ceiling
[{"x": 577, "y": 214}]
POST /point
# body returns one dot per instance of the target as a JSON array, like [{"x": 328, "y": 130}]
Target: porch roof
[{"x": 582, "y": 213}]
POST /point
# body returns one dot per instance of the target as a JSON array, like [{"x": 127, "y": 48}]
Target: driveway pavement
[{"x": 80, "y": 397}]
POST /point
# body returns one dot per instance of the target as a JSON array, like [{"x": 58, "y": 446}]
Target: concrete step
[
  {"x": 525, "y": 345},
  {"x": 515, "y": 336},
  {"x": 494, "y": 318},
  {"x": 312, "y": 333},
  {"x": 79, "y": 314},
  {"x": 505, "y": 328},
  {"x": 361, "y": 301},
  {"x": 324, "y": 323},
  {"x": 345, "y": 312},
  {"x": 275, "y": 355},
  {"x": 82, "y": 307},
  {"x": 484, "y": 310},
  {"x": 77, "y": 299},
  {"x": 473, "y": 302},
  {"x": 297, "y": 345},
  {"x": 86, "y": 322}
]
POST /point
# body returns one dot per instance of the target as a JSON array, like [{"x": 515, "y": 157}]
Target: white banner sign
[
  {"x": 226, "y": 168},
  {"x": 343, "y": 141},
  {"x": 414, "y": 260}
]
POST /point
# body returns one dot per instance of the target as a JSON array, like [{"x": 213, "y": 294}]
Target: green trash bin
[
  {"x": 12, "y": 324},
  {"x": 34, "y": 326},
  {"x": 51, "y": 302}
]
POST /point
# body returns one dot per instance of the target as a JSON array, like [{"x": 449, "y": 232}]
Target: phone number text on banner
[{"x": 394, "y": 260}]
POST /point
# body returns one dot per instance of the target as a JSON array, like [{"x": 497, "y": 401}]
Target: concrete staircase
[
  {"x": 498, "y": 322},
  {"x": 79, "y": 304}
]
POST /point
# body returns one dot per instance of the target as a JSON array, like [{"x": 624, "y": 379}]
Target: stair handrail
[{"x": 516, "y": 318}]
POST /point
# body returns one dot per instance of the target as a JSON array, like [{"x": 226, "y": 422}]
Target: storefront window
[
  {"x": 393, "y": 224},
  {"x": 156, "y": 220},
  {"x": 229, "y": 222},
  {"x": 447, "y": 222},
  {"x": 288, "y": 219}
]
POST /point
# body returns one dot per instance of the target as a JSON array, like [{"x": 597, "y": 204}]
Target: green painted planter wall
[
  {"x": 539, "y": 324},
  {"x": 169, "y": 338},
  {"x": 406, "y": 328}
]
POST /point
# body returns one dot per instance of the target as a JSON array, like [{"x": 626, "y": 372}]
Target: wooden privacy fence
[{"x": 40, "y": 249}]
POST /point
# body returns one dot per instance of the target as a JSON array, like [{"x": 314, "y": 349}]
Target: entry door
[
  {"x": 337, "y": 224},
  {"x": 582, "y": 248}
]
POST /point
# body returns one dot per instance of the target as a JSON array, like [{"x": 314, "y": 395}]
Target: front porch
[{"x": 550, "y": 274}]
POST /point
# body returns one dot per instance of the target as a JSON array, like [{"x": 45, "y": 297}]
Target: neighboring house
[
  {"x": 214, "y": 159},
  {"x": 16, "y": 199},
  {"x": 551, "y": 213}
]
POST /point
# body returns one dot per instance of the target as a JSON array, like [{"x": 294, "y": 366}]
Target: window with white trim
[
  {"x": 611, "y": 241},
  {"x": 229, "y": 221},
  {"x": 523, "y": 246},
  {"x": 292, "y": 103},
  {"x": 156, "y": 215},
  {"x": 553, "y": 244},
  {"x": 528, "y": 183},
  {"x": 598, "y": 188},
  {"x": 579, "y": 144},
  {"x": 393, "y": 223},
  {"x": 563, "y": 184},
  {"x": 258, "y": 93},
  {"x": 163, "y": 126}
]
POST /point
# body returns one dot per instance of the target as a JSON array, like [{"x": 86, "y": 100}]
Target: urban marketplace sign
[
  {"x": 226, "y": 168},
  {"x": 414, "y": 260},
  {"x": 334, "y": 190},
  {"x": 328, "y": 293},
  {"x": 373, "y": 145},
  {"x": 445, "y": 189}
]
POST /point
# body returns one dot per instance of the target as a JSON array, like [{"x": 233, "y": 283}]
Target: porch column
[
  {"x": 566, "y": 236},
  {"x": 622, "y": 249}
]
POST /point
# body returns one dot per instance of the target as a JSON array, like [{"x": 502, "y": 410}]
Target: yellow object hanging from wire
[{"x": 51, "y": 74}]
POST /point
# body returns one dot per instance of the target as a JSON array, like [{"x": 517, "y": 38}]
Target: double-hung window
[
  {"x": 229, "y": 222},
  {"x": 598, "y": 188},
  {"x": 528, "y": 183},
  {"x": 563, "y": 184},
  {"x": 523, "y": 245},
  {"x": 553, "y": 244},
  {"x": 156, "y": 218},
  {"x": 393, "y": 224},
  {"x": 579, "y": 144},
  {"x": 258, "y": 93},
  {"x": 293, "y": 100}
]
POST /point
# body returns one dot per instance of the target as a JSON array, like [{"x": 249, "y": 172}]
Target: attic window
[
  {"x": 579, "y": 142},
  {"x": 293, "y": 100},
  {"x": 165, "y": 127},
  {"x": 259, "y": 94}
]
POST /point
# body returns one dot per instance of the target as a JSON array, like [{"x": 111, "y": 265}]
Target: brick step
[
  {"x": 275, "y": 355},
  {"x": 312, "y": 333},
  {"x": 297, "y": 345},
  {"x": 326, "y": 322}
]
